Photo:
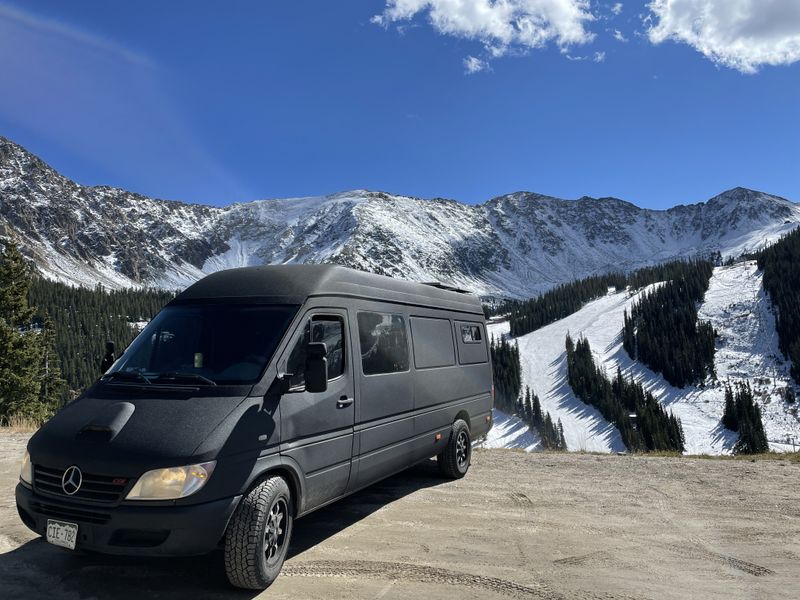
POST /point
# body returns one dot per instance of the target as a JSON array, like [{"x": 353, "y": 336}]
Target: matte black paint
[{"x": 363, "y": 428}]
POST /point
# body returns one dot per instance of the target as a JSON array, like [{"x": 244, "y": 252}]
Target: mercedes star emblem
[{"x": 71, "y": 480}]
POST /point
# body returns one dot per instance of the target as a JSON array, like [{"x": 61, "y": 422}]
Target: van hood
[{"x": 108, "y": 432}]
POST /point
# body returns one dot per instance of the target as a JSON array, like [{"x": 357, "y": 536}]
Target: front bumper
[{"x": 178, "y": 530}]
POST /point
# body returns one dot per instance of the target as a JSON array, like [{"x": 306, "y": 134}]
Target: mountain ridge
[{"x": 516, "y": 244}]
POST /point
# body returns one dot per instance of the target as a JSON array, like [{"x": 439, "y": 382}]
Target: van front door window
[{"x": 320, "y": 328}]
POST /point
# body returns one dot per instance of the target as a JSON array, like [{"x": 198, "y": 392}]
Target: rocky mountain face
[{"x": 514, "y": 245}]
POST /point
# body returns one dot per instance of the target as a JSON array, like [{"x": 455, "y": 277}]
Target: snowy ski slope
[{"x": 747, "y": 350}]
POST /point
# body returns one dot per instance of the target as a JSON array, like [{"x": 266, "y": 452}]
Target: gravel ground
[{"x": 519, "y": 525}]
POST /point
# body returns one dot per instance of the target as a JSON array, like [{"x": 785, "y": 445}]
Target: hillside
[
  {"x": 747, "y": 350},
  {"x": 517, "y": 245}
]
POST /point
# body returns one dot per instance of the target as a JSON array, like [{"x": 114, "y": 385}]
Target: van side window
[
  {"x": 433, "y": 342},
  {"x": 384, "y": 343},
  {"x": 471, "y": 343},
  {"x": 320, "y": 328}
]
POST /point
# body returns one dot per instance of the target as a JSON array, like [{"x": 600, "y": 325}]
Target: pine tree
[
  {"x": 30, "y": 381},
  {"x": 536, "y": 412},
  {"x": 743, "y": 415},
  {"x": 729, "y": 420},
  {"x": 527, "y": 406},
  {"x": 507, "y": 374},
  {"x": 52, "y": 387}
]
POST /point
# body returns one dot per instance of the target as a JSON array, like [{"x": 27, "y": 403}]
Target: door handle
[{"x": 343, "y": 402}]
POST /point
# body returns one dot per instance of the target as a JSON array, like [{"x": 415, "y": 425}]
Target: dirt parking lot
[{"x": 518, "y": 526}]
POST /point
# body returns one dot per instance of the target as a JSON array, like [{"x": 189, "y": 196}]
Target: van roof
[{"x": 293, "y": 284}]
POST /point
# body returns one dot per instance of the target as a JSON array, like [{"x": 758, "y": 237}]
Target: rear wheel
[
  {"x": 454, "y": 460},
  {"x": 258, "y": 535}
]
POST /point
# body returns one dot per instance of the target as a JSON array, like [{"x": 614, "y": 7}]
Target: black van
[{"x": 257, "y": 396}]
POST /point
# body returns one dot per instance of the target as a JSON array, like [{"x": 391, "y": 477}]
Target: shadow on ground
[{"x": 39, "y": 570}]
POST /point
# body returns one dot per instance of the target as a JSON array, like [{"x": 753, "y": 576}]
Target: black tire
[
  {"x": 258, "y": 535},
  {"x": 454, "y": 461}
]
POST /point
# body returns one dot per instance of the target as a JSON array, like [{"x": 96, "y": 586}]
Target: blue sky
[{"x": 224, "y": 102}]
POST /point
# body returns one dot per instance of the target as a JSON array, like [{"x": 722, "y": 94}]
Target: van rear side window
[
  {"x": 471, "y": 343},
  {"x": 384, "y": 343},
  {"x": 433, "y": 342}
]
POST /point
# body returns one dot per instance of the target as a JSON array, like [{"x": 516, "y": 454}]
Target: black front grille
[
  {"x": 70, "y": 513},
  {"x": 95, "y": 488}
]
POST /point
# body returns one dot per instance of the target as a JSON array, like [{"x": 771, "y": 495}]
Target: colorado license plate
[{"x": 62, "y": 534}]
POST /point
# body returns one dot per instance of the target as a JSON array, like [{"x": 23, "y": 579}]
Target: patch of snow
[{"x": 509, "y": 431}]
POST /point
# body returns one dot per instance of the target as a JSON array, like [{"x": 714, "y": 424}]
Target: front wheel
[
  {"x": 454, "y": 460},
  {"x": 258, "y": 535}
]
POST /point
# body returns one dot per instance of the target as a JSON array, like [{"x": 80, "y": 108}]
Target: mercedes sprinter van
[{"x": 253, "y": 398}]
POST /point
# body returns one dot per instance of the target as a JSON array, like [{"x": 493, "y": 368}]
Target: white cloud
[
  {"x": 500, "y": 25},
  {"x": 741, "y": 34},
  {"x": 597, "y": 57},
  {"x": 474, "y": 65},
  {"x": 617, "y": 8},
  {"x": 619, "y": 36}
]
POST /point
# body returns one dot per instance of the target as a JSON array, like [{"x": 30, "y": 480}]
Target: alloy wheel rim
[
  {"x": 275, "y": 531},
  {"x": 462, "y": 446}
]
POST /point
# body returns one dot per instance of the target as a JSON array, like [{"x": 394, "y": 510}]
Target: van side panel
[
  {"x": 385, "y": 395},
  {"x": 435, "y": 386}
]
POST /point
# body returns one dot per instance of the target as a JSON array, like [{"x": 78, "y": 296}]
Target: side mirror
[
  {"x": 316, "y": 367},
  {"x": 109, "y": 358}
]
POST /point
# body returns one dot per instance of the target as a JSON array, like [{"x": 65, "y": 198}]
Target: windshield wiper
[
  {"x": 127, "y": 375},
  {"x": 181, "y": 375}
]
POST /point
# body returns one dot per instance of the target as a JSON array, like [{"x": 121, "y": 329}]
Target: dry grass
[
  {"x": 792, "y": 457},
  {"x": 19, "y": 425}
]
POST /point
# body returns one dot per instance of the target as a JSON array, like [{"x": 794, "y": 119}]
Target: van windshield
[{"x": 225, "y": 344}]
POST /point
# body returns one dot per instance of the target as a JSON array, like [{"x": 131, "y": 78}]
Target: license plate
[{"x": 62, "y": 534}]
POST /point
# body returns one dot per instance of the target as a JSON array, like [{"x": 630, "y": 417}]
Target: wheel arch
[
  {"x": 286, "y": 468},
  {"x": 464, "y": 416}
]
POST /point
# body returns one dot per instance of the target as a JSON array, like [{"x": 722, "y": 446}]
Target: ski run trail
[{"x": 746, "y": 350}]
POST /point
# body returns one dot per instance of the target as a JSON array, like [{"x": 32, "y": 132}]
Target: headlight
[
  {"x": 171, "y": 483},
  {"x": 26, "y": 470}
]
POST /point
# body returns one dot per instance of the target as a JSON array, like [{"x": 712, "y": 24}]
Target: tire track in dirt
[
  {"x": 696, "y": 547},
  {"x": 419, "y": 574},
  {"x": 520, "y": 499}
]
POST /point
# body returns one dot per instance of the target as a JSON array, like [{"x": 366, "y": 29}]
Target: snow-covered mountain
[
  {"x": 514, "y": 245},
  {"x": 746, "y": 350}
]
